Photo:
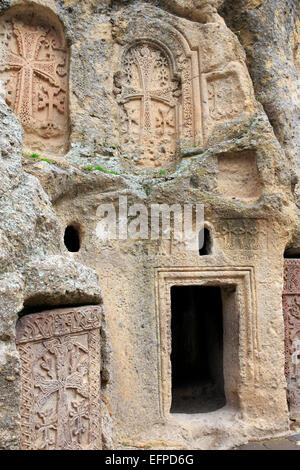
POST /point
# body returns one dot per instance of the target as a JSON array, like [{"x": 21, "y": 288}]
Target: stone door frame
[{"x": 238, "y": 294}]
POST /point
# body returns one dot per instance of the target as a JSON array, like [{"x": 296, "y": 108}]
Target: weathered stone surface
[
  {"x": 204, "y": 11},
  {"x": 34, "y": 66},
  {"x": 34, "y": 267},
  {"x": 238, "y": 176},
  {"x": 269, "y": 32},
  {"x": 206, "y": 140}
]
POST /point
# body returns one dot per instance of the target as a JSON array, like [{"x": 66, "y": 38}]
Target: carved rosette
[
  {"x": 291, "y": 311},
  {"x": 60, "y": 356},
  {"x": 148, "y": 100},
  {"x": 34, "y": 67}
]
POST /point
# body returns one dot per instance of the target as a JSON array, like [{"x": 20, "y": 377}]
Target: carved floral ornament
[
  {"x": 149, "y": 99},
  {"x": 243, "y": 234},
  {"x": 33, "y": 65},
  {"x": 291, "y": 310},
  {"x": 167, "y": 103},
  {"x": 60, "y": 356}
]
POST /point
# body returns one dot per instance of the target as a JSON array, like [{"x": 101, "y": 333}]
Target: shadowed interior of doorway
[{"x": 197, "y": 349}]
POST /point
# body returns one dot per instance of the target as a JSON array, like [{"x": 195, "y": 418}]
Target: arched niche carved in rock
[
  {"x": 34, "y": 70},
  {"x": 149, "y": 99},
  {"x": 214, "y": 88}
]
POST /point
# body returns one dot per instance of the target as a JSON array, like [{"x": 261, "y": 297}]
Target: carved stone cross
[
  {"x": 26, "y": 62},
  {"x": 49, "y": 422},
  {"x": 66, "y": 375},
  {"x": 49, "y": 98},
  {"x": 152, "y": 87},
  {"x": 60, "y": 355}
]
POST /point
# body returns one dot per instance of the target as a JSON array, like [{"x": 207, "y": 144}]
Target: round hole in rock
[{"x": 72, "y": 239}]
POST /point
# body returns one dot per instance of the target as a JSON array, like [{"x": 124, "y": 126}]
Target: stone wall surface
[
  {"x": 217, "y": 124},
  {"x": 269, "y": 33},
  {"x": 35, "y": 268}
]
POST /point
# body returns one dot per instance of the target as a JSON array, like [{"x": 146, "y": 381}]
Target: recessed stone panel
[
  {"x": 238, "y": 176},
  {"x": 243, "y": 234},
  {"x": 148, "y": 98}
]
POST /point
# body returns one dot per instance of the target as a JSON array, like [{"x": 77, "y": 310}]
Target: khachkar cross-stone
[
  {"x": 148, "y": 96},
  {"x": 34, "y": 63},
  {"x": 291, "y": 310},
  {"x": 65, "y": 372},
  {"x": 60, "y": 355},
  {"x": 26, "y": 62}
]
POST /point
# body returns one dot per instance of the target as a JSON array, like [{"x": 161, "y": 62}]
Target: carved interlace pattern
[
  {"x": 148, "y": 102},
  {"x": 291, "y": 310},
  {"x": 60, "y": 355},
  {"x": 34, "y": 64},
  {"x": 241, "y": 234}
]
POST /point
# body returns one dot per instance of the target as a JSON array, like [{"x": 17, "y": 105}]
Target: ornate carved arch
[
  {"x": 215, "y": 89},
  {"x": 149, "y": 99}
]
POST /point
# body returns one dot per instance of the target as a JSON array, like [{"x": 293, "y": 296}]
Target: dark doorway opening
[
  {"x": 71, "y": 239},
  {"x": 197, "y": 349},
  {"x": 292, "y": 254},
  {"x": 204, "y": 242}
]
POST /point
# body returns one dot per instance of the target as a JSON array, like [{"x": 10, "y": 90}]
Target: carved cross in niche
[
  {"x": 27, "y": 64},
  {"x": 148, "y": 97},
  {"x": 67, "y": 373}
]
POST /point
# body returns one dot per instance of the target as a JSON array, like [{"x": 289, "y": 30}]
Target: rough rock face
[
  {"x": 269, "y": 33},
  {"x": 35, "y": 268},
  {"x": 197, "y": 10},
  {"x": 170, "y": 102}
]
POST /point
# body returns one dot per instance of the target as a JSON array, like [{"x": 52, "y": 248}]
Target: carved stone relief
[
  {"x": 291, "y": 310},
  {"x": 34, "y": 68},
  {"x": 226, "y": 95},
  {"x": 60, "y": 356},
  {"x": 172, "y": 93},
  {"x": 176, "y": 119},
  {"x": 149, "y": 103},
  {"x": 242, "y": 234}
]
